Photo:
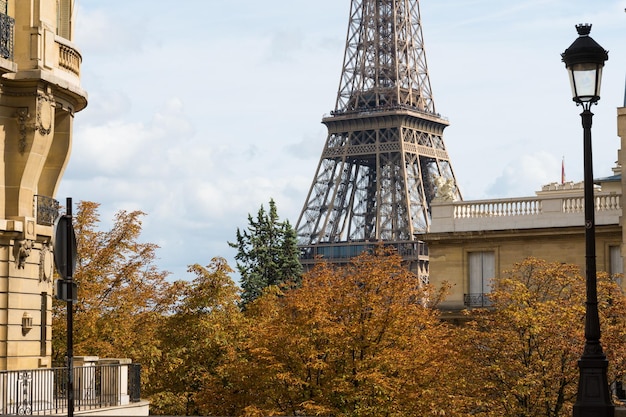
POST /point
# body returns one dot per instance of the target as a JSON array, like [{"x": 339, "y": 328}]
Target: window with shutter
[
  {"x": 481, "y": 267},
  {"x": 64, "y": 18},
  {"x": 616, "y": 267}
]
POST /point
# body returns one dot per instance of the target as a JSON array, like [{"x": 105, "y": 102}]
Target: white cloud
[
  {"x": 201, "y": 112},
  {"x": 525, "y": 174},
  {"x": 110, "y": 149}
]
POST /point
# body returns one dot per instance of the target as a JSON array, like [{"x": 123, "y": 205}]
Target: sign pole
[
  {"x": 70, "y": 309},
  {"x": 65, "y": 261}
]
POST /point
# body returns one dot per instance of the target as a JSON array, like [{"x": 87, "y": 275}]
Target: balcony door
[{"x": 482, "y": 268}]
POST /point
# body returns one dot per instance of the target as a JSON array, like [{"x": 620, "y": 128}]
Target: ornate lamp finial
[{"x": 583, "y": 29}]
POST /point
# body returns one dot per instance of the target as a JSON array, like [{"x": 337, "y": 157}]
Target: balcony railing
[
  {"x": 521, "y": 213},
  {"x": 476, "y": 300},
  {"x": 7, "y": 25},
  {"x": 69, "y": 58},
  {"x": 344, "y": 251},
  {"x": 44, "y": 391},
  {"x": 531, "y": 206}
]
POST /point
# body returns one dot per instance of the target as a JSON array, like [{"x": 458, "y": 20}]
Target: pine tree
[{"x": 267, "y": 253}]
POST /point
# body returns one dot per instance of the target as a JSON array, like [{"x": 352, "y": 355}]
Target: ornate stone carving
[
  {"x": 22, "y": 250},
  {"x": 43, "y": 118},
  {"x": 22, "y": 123},
  {"x": 45, "y": 109},
  {"x": 445, "y": 189}
]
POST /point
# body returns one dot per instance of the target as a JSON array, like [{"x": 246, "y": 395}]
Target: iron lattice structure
[{"x": 384, "y": 160}]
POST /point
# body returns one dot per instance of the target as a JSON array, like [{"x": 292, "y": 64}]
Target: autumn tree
[
  {"x": 199, "y": 334},
  {"x": 525, "y": 348},
  {"x": 122, "y": 294},
  {"x": 267, "y": 253},
  {"x": 359, "y": 340},
  {"x": 612, "y": 308}
]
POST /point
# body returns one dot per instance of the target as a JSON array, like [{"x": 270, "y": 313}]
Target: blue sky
[{"x": 202, "y": 110}]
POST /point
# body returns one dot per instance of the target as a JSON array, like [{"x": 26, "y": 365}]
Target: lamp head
[{"x": 584, "y": 60}]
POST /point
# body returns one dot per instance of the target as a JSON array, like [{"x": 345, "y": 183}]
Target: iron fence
[
  {"x": 134, "y": 383},
  {"x": 44, "y": 391}
]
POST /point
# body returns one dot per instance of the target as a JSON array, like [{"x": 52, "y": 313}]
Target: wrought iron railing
[
  {"x": 46, "y": 210},
  {"x": 476, "y": 300},
  {"x": 134, "y": 383},
  {"x": 7, "y": 24},
  {"x": 44, "y": 391}
]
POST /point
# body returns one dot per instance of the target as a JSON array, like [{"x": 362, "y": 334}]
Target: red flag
[{"x": 563, "y": 171}]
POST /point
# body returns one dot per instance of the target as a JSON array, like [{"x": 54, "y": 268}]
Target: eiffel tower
[{"x": 384, "y": 160}]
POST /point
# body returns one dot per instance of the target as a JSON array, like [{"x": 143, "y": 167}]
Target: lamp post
[{"x": 584, "y": 60}]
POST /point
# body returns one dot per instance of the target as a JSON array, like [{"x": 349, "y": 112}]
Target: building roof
[{"x": 611, "y": 178}]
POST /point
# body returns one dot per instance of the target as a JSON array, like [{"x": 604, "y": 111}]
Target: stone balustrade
[
  {"x": 526, "y": 212},
  {"x": 69, "y": 58}
]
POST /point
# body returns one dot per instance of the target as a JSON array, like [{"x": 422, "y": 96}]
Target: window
[
  {"x": 616, "y": 263},
  {"x": 64, "y": 18},
  {"x": 481, "y": 267}
]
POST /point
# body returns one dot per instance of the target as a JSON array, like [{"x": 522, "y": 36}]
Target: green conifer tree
[{"x": 267, "y": 253}]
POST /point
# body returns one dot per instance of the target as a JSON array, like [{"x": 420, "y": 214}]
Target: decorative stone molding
[
  {"x": 45, "y": 109},
  {"x": 46, "y": 262},
  {"x": 22, "y": 116},
  {"x": 22, "y": 250},
  {"x": 43, "y": 118}
]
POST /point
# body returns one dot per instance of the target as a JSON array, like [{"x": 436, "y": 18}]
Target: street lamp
[{"x": 584, "y": 60}]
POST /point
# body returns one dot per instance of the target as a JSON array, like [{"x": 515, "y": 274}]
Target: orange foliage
[
  {"x": 352, "y": 341},
  {"x": 525, "y": 348},
  {"x": 122, "y": 295}
]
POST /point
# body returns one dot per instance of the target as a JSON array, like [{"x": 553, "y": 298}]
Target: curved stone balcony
[{"x": 69, "y": 58}]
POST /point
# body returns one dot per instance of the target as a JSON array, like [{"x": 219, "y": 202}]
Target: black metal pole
[
  {"x": 70, "y": 312},
  {"x": 593, "y": 399}
]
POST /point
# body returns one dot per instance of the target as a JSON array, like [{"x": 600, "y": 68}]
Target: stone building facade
[
  {"x": 471, "y": 242},
  {"x": 40, "y": 93}
]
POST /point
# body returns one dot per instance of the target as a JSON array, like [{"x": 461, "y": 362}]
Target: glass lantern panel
[{"x": 585, "y": 79}]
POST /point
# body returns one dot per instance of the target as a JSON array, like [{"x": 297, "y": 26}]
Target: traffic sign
[
  {"x": 66, "y": 290},
  {"x": 64, "y": 247}
]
